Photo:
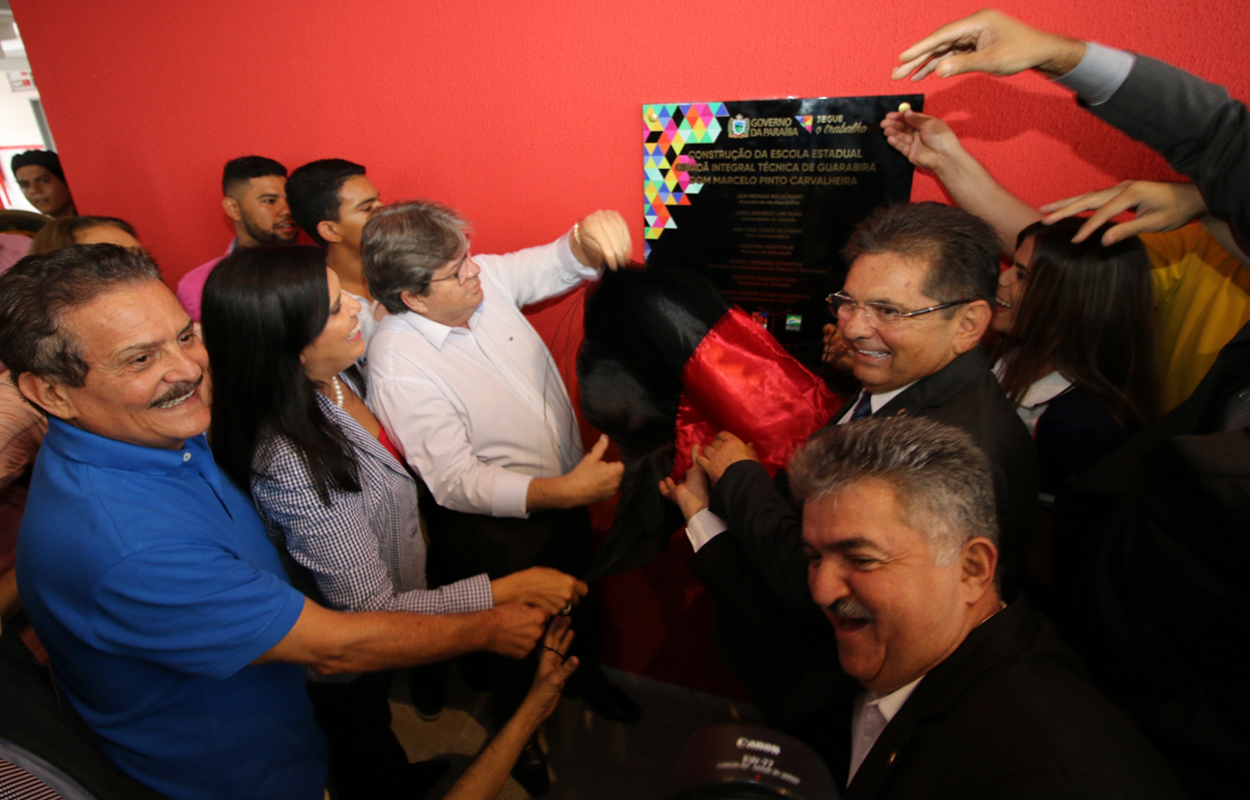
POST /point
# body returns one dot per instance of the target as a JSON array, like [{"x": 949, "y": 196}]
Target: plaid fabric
[{"x": 365, "y": 551}]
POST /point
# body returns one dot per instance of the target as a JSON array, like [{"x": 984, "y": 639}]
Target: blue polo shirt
[{"x": 150, "y": 580}]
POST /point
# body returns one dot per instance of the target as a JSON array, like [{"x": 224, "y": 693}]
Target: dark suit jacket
[
  {"x": 966, "y": 395},
  {"x": 768, "y": 630},
  {"x": 1169, "y": 509},
  {"x": 1202, "y": 132},
  {"x": 1010, "y": 714}
]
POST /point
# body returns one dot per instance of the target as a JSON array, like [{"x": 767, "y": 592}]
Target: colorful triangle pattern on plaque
[{"x": 666, "y": 130}]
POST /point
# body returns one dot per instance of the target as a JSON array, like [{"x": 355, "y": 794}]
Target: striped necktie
[{"x": 863, "y": 408}]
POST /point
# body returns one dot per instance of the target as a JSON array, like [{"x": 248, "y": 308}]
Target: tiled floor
[{"x": 589, "y": 757}]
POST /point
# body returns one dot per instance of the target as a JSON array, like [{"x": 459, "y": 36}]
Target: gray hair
[
  {"x": 940, "y": 478},
  {"x": 403, "y": 245},
  {"x": 37, "y": 293}
]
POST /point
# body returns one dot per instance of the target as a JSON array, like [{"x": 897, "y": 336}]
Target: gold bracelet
[{"x": 577, "y": 234}]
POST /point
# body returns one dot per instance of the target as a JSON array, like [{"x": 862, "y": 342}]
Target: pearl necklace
[{"x": 338, "y": 391}]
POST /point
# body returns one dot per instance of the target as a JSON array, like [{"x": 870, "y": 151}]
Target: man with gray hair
[
  {"x": 965, "y": 696},
  {"x": 469, "y": 394}
]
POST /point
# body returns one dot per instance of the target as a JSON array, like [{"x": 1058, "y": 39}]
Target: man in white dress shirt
[{"x": 469, "y": 393}]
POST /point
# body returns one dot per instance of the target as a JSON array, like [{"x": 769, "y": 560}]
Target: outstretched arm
[
  {"x": 334, "y": 641},
  {"x": 992, "y": 42},
  {"x": 930, "y": 143}
]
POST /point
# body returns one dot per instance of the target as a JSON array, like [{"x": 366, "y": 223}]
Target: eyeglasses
[
  {"x": 884, "y": 314},
  {"x": 458, "y": 275}
]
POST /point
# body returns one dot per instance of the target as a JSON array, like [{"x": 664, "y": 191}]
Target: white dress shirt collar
[
  {"x": 864, "y": 730},
  {"x": 436, "y": 333},
  {"x": 876, "y": 401}
]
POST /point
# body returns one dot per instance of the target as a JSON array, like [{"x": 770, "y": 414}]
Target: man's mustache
[
  {"x": 850, "y": 608},
  {"x": 177, "y": 391}
]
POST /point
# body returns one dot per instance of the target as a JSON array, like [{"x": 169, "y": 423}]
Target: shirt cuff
[
  {"x": 507, "y": 498},
  {"x": 571, "y": 266},
  {"x": 1101, "y": 72},
  {"x": 703, "y": 527}
]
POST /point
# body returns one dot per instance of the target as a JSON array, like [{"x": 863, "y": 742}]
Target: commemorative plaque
[{"x": 760, "y": 197}]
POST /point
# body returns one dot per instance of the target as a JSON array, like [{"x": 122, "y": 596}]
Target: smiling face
[
  {"x": 1011, "y": 286},
  {"x": 45, "y": 191},
  {"x": 340, "y": 344},
  {"x": 890, "y": 357},
  {"x": 896, "y": 612},
  {"x": 146, "y": 372},
  {"x": 260, "y": 209}
]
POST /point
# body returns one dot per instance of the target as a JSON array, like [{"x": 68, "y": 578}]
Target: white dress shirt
[
  {"x": 1100, "y": 73},
  {"x": 872, "y": 713},
  {"x": 480, "y": 411}
]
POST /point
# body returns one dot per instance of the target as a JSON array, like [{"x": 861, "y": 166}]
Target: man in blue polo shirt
[{"x": 147, "y": 573}]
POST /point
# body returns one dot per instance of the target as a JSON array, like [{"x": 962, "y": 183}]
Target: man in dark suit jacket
[
  {"x": 964, "y": 696},
  {"x": 916, "y": 302}
]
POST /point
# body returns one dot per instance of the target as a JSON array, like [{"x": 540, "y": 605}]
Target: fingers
[
  {"x": 1118, "y": 233},
  {"x": 938, "y": 42},
  {"x": 903, "y": 70},
  {"x": 668, "y": 489},
  {"x": 601, "y": 447},
  {"x": 605, "y": 234},
  {"x": 702, "y": 462},
  {"x": 1062, "y": 209},
  {"x": 1116, "y": 205},
  {"x": 559, "y": 634}
]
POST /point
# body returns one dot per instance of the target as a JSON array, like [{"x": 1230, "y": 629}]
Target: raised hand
[
  {"x": 990, "y": 42},
  {"x": 554, "y": 668},
  {"x": 1159, "y": 207},
  {"x": 925, "y": 140},
  {"x": 602, "y": 239}
]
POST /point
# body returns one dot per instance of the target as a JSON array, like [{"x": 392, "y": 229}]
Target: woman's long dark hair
[
  {"x": 262, "y": 306},
  {"x": 1088, "y": 312}
]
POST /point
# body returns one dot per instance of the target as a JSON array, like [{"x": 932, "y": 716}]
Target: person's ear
[
  {"x": 978, "y": 562},
  {"x": 232, "y": 209},
  {"x": 47, "y": 394},
  {"x": 329, "y": 230},
  {"x": 415, "y": 302},
  {"x": 972, "y": 322}
]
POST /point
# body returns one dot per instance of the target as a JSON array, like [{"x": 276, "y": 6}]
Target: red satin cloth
[{"x": 742, "y": 381}]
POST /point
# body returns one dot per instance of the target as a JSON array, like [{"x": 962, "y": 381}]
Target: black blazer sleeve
[
  {"x": 767, "y": 529},
  {"x": 1202, "y": 132}
]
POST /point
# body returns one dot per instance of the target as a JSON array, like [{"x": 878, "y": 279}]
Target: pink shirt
[{"x": 191, "y": 287}]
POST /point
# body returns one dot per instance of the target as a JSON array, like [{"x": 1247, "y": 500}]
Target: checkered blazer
[{"x": 365, "y": 551}]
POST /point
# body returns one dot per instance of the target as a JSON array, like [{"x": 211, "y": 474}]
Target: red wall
[{"x": 525, "y": 116}]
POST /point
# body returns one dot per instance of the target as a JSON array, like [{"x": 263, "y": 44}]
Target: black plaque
[{"x": 760, "y": 196}]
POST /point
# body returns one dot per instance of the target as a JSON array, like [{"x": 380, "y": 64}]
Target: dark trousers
[
  {"x": 462, "y": 545},
  {"x": 366, "y": 760}
]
